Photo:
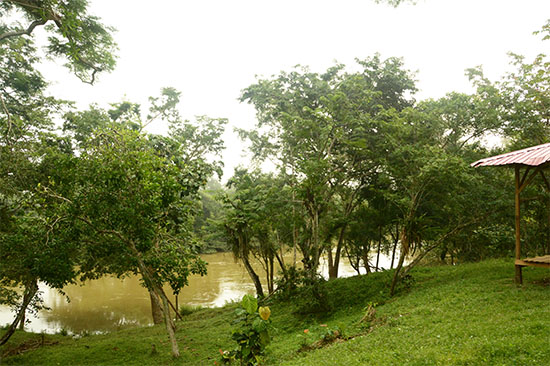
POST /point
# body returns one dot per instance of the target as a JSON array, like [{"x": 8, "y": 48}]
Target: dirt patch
[
  {"x": 369, "y": 323},
  {"x": 333, "y": 337}
]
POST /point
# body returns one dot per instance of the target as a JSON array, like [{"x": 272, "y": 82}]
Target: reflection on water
[{"x": 110, "y": 303}]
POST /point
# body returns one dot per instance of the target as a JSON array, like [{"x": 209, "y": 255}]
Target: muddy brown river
[{"x": 109, "y": 303}]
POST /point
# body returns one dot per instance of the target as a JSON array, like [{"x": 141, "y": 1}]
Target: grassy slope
[{"x": 470, "y": 314}]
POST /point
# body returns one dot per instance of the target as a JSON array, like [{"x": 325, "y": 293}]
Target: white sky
[{"x": 212, "y": 49}]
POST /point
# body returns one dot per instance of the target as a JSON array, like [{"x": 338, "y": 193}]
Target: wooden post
[{"x": 518, "y": 278}]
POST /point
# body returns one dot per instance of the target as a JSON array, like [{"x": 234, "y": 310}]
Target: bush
[
  {"x": 251, "y": 333},
  {"x": 308, "y": 293}
]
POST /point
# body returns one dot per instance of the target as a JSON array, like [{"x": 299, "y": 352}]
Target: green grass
[{"x": 469, "y": 314}]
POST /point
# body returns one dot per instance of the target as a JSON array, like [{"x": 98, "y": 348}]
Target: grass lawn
[{"x": 470, "y": 314}]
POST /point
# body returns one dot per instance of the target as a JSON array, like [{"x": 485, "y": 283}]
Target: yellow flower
[{"x": 265, "y": 312}]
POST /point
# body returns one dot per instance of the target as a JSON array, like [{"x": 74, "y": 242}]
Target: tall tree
[
  {"x": 191, "y": 146},
  {"x": 321, "y": 128},
  {"x": 29, "y": 154},
  {"x": 75, "y": 35},
  {"x": 244, "y": 213},
  {"x": 437, "y": 194},
  {"x": 131, "y": 208}
]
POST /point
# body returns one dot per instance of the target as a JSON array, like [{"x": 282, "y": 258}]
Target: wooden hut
[{"x": 527, "y": 163}]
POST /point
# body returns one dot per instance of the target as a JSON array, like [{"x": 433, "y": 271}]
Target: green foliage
[
  {"x": 63, "y": 332},
  {"x": 74, "y": 35},
  {"x": 357, "y": 291},
  {"x": 251, "y": 334},
  {"x": 324, "y": 130},
  {"x": 135, "y": 204},
  {"x": 467, "y": 314},
  {"x": 209, "y": 214},
  {"x": 250, "y": 222},
  {"x": 309, "y": 295},
  {"x": 33, "y": 240},
  {"x": 250, "y": 304},
  {"x": 329, "y": 334},
  {"x": 288, "y": 285}
]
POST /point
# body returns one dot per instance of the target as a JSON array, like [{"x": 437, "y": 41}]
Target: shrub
[
  {"x": 308, "y": 294},
  {"x": 251, "y": 333}
]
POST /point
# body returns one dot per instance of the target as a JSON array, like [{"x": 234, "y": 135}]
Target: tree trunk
[
  {"x": 333, "y": 270},
  {"x": 156, "y": 309},
  {"x": 379, "y": 243},
  {"x": 402, "y": 254},
  {"x": 354, "y": 261},
  {"x": 365, "y": 257},
  {"x": 170, "y": 326},
  {"x": 294, "y": 228},
  {"x": 547, "y": 249},
  {"x": 270, "y": 279},
  {"x": 330, "y": 262},
  {"x": 395, "y": 241},
  {"x": 22, "y": 322},
  {"x": 281, "y": 262},
  {"x": 148, "y": 279},
  {"x": 253, "y": 276},
  {"x": 311, "y": 251},
  {"x": 316, "y": 245},
  {"x": 30, "y": 291}
]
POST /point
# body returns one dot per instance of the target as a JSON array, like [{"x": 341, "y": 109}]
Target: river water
[{"x": 109, "y": 303}]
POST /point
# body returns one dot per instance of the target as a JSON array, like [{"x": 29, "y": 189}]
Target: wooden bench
[{"x": 541, "y": 261}]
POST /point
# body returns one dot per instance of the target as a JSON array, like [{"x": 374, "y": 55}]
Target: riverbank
[
  {"x": 468, "y": 314},
  {"x": 102, "y": 305}
]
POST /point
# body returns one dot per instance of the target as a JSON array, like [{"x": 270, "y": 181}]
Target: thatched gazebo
[{"x": 527, "y": 163}]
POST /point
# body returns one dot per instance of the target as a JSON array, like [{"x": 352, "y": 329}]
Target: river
[{"x": 109, "y": 303}]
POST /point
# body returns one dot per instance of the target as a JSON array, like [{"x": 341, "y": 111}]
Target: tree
[
  {"x": 435, "y": 191},
  {"x": 210, "y": 213},
  {"x": 322, "y": 130},
  {"x": 257, "y": 223},
  {"x": 78, "y": 37},
  {"x": 191, "y": 146},
  {"x": 394, "y": 3},
  {"x": 244, "y": 213},
  {"x": 36, "y": 244},
  {"x": 29, "y": 154},
  {"x": 131, "y": 209}
]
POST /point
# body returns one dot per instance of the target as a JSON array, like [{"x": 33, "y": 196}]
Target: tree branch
[
  {"x": 57, "y": 19},
  {"x": 52, "y": 194},
  {"x": 100, "y": 231},
  {"x": 90, "y": 65},
  {"x": 438, "y": 242},
  {"x": 50, "y": 14},
  {"x": 27, "y": 31}
]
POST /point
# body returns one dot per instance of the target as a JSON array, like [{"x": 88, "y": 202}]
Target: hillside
[{"x": 468, "y": 314}]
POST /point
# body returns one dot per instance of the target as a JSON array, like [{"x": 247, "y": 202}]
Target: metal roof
[{"x": 532, "y": 156}]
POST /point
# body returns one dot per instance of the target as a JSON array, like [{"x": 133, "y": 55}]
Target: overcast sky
[{"x": 211, "y": 49}]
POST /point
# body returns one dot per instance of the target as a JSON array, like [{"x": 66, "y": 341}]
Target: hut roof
[{"x": 532, "y": 156}]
